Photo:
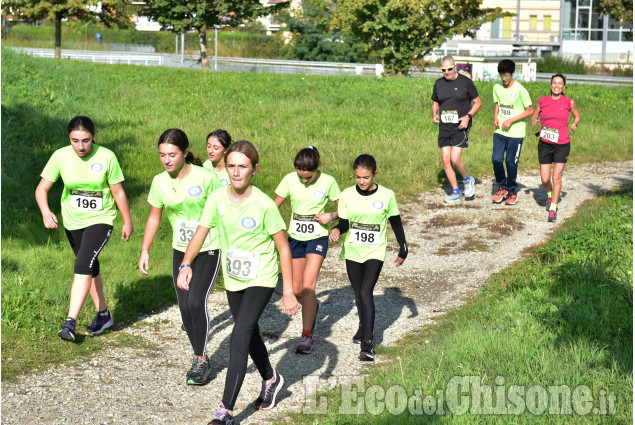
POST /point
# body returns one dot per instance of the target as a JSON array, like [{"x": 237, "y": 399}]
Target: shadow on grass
[{"x": 143, "y": 296}]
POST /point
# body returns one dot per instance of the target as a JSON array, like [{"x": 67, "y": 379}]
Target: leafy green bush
[{"x": 557, "y": 64}]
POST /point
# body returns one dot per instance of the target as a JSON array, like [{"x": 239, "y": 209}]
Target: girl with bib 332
[
  {"x": 252, "y": 234},
  {"x": 309, "y": 191},
  {"x": 181, "y": 190},
  {"x": 364, "y": 209},
  {"x": 92, "y": 186}
]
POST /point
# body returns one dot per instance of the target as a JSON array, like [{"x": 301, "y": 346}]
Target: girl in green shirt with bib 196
[
  {"x": 309, "y": 191},
  {"x": 92, "y": 186},
  {"x": 251, "y": 233},
  {"x": 365, "y": 209},
  {"x": 181, "y": 190}
]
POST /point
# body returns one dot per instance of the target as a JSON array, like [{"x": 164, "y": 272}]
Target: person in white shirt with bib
[{"x": 92, "y": 186}]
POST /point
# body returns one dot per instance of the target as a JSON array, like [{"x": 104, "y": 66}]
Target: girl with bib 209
[
  {"x": 181, "y": 190},
  {"x": 217, "y": 143},
  {"x": 251, "y": 230},
  {"x": 309, "y": 191},
  {"x": 92, "y": 186},
  {"x": 365, "y": 209},
  {"x": 554, "y": 145}
]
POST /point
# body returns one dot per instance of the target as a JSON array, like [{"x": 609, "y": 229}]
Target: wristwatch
[{"x": 469, "y": 115}]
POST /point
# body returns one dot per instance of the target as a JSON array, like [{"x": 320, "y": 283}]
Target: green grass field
[{"x": 132, "y": 106}]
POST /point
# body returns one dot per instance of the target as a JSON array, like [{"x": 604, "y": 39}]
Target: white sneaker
[{"x": 468, "y": 187}]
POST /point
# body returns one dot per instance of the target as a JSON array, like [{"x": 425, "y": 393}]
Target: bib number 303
[
  {"x": 87, "y": 200},
  {"x": 365, "y": 234},
  {"x": 242, "y": 265}
]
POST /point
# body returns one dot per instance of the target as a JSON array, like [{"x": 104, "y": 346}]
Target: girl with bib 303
[
  {"x": 217, "y": 143},
  {"x": 365, "y": 209},
  {"x": 92, "y": 186},
  {"x": 554, "y": 145},
  {"x": 181, "y": 190},
  {"x": 309, "y": 191},
  {"x": 251, "y": 230}
]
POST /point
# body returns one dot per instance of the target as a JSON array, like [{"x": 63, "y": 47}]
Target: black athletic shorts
[
  {"x": 456, "y": 138},
  {"x": 549, "y": 153}
]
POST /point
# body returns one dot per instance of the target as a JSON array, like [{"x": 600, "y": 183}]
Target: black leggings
[
  {"x": 363, "y": 277},
  {"x": 193, "y": 303},
  {"x": 87, "y": 243},
  {"x": 246, "y": 307}
]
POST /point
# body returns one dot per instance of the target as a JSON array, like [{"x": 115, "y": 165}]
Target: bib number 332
[
  {"x": 242, "y": 265},
  {"x": 87, "y": 200}
]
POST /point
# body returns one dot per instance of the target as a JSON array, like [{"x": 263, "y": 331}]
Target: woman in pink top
[{"x": 554, "y": 146}]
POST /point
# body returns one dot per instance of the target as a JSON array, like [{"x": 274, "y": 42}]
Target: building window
[
  {"x": 533, "y": 22},
  {"x": 496, "y": 29},
  {"x": 507, "y": 27},
  {"x": 547, "y": 22}
]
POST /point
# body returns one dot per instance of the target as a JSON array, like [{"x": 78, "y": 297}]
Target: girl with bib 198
[
  {"x": 309, "y": 191},
  {"x": 181, "y": 190},
  {"x": 554, "y": 145},
  {"x": 217, "y": 143},
  {"x": 365, "y": 209},
  {"x": 92, "y": 186},
  {"x": 251, "y": 230}
]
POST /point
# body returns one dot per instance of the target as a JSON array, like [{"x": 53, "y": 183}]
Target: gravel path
[{"x": 134, "y": 386}]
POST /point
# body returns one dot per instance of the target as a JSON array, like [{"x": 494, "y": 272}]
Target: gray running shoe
[
  {"x": 270, "y": 391},
  {"x": 305, "y": 345},
  {"x": 468, "y": 187},
  {"x": 452, "y": 198},
  {"x": 201, "y": 372}
]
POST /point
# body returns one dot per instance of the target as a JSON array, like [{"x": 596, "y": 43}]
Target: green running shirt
[
  {"x": 511, "y": 102},
  {"x": 183, "y": 201},
  {"x": 86, "y": 198},
  {"x": 367, "y": 216},
  {"x": 223, "y": 176},
  {"x": 306, "y": 201},
  {"x": 248, "y": 252}
]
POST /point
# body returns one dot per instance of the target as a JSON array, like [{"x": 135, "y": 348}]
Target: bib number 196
[{"x": 87, "y": 200}]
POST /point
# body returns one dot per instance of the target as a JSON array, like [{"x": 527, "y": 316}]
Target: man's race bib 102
[
  {"x": 305, "y": 225},
  {"x": 242, "y": 265},
  {"x": 183, "y": 232},
  {"x": 365, "y": 234},
  {"x": 450, "y": 117},
  {"x": 506, "y": 111},
  {"x": 550, "y": 134},
  {"x": 87, "y": 200}
]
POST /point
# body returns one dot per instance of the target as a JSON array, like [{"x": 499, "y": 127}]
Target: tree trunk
[
  {"x": 58, "y": 36},
  {"x": 202, "y": 39}
]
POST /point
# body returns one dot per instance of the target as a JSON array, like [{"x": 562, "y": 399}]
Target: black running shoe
[
  {"x": 367, "y": 353},
  {"x": 100, "y": 323},
  {"x": 270, "y": 391},
  {"x": 68, "y": 330},
  {"x": 201, "y": 372},
  {"x": 357, "y": 338},
  {"x": 222, "y": 417}
]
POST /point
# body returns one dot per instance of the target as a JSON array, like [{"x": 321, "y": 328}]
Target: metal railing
[{"x": 228, "y": 64}]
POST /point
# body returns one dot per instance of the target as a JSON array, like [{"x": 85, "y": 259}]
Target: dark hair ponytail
[
  {"x": 366, "y": 161},
  {"x": 308, "y": 159},
  {"x": 178, "y": 138},
  {"x": 81, "y": 123}
]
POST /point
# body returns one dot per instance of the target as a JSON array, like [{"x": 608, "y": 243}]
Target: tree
[
  {"x": 180, "y": 16},
  {"x": 401, "y": 30},
  {"x": 107, "y": 13},
  {"x": 312, "y": 38},
  {"x": 620, "y": 10}
]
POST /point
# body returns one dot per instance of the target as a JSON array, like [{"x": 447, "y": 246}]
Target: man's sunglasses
[{"x": 448, "y": 69}]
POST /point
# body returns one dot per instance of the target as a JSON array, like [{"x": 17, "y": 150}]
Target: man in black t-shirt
[{"x": 455, "y": 100}]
